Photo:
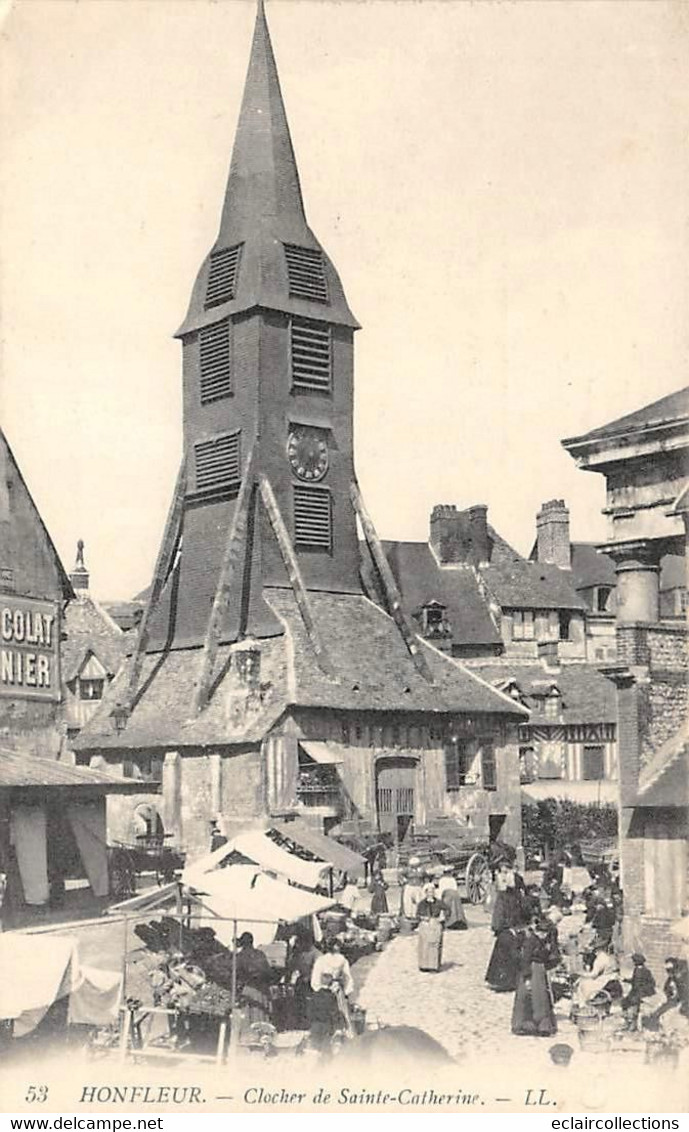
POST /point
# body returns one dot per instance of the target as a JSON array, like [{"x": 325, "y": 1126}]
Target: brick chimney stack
[
  {"x": 552, "y": 533},
  {"x": 460, "y": 537},
  {"x": 478, "y": 525}
]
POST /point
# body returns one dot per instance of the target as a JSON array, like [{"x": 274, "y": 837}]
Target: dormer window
[
  {"x": 433, "y": 621},
  {"x": 552, "y": 705},
  {"x": 91, "y": 689}
]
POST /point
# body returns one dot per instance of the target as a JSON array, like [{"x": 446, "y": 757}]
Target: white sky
[{"x": 502, "y": 186}]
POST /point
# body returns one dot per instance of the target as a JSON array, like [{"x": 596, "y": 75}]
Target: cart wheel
[{"x": 477, "y": 878}]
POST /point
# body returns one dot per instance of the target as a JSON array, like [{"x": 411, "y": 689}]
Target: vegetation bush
[{"x": 554, "y": 824}]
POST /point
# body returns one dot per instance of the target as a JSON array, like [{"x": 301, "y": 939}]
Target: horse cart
[
  {"x": 145, "y": 855},
  {"x": 439, "y": 844}
]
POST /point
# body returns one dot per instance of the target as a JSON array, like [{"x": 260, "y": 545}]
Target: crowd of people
[{"x": 564, "y": 937}]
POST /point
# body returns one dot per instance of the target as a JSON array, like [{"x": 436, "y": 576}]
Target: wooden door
[{"x": 395, "y": 796}]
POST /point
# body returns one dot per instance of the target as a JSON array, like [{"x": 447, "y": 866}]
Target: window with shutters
[
  {"x": 457, "y": 761},
  {"x": 214, "y": 362},
  {"x": 222, "y": 276},
  {"x": 218, "y": 464},
  {"x": 306, "y": 273},
  {"x": 489, "y": 779},
  {"x": 311, "y": 355},
  {"x": 313, "y": 519}
]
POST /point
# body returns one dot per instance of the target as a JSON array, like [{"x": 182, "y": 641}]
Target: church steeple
[
  {"x": 263, "y": 498},
  {"x": 263, "y": 184},
  {"x": 263, "y": 217}
]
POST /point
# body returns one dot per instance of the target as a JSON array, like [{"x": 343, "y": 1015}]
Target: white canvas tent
[
  {"x": 256, "y": 846},
  {"x": 248, "y": 900}
]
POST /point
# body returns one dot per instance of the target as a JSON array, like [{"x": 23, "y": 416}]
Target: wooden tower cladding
[{"x": 268, "y": 376}]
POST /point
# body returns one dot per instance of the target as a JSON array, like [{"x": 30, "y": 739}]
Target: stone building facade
[{"x": 644, "y": 458}]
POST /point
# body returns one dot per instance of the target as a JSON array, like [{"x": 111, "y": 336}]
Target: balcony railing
[{"x": 318, "y": 795}]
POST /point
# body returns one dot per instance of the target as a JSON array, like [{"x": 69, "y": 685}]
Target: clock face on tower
[{"x": 307, "y": 452}]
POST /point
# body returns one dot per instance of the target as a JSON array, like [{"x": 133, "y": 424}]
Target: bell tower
[{"x": 267, "y": 355}]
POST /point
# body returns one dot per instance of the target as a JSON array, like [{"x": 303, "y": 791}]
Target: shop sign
[{"x": 29, "y": 649}]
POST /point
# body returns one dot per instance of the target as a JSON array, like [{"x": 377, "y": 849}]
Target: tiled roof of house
[
  {"x": 89, "y": 629},
  {"x": 590, "y": 567},
  {"x": 667, "y": 410},
  {"x": 519, "y": 584},
  {"x": 373, "y": 672},
  {"x": 421, "y": 580},
  {"x": 587, "y": 695}
]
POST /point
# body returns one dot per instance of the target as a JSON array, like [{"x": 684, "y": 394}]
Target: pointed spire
[
  {"x": 263, "y": 184},
  {"x": 80, "y": 577}
]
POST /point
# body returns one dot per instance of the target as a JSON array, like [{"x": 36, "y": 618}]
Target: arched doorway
[
  {"x": 395, "y": 781},
  {"x": 149, "y": 831}
]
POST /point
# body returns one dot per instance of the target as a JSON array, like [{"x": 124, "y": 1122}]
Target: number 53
[{"x": 36, "y": 1094}]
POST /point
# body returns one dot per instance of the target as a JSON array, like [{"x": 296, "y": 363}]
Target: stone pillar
[
  {"x": 171, "y": 795},
  {"x": 215, "y": 763},
  {"x": 638, "y": 581}
]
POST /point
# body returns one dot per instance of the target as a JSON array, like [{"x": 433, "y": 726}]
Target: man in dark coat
[{"x": 642, "y": 985}]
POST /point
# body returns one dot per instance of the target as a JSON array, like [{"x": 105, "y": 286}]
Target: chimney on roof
[
  {"x": 478, "y": 526},
  {"x": 552, "y": 534},
  {"x": 460, "y": 537},
  {"x": 80, "y": 577}
]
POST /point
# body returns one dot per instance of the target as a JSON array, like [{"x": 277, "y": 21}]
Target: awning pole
[
  {"x": 234, "y": 1023},
  {"x": 125, "y": 950}
]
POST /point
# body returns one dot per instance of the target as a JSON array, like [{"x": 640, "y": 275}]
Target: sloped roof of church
[{"x": 373, "y": 672}]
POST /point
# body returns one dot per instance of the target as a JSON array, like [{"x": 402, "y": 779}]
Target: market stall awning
[
  {"x": 321, "y": 753},
  {"x": 257, "y": 903},
  {"x": 325, "y": 848},
  {"x": 257, "y": 847}
]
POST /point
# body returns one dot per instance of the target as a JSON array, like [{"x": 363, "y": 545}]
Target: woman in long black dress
[
  {"x": 533, "y": 1002},
  {"x": 507, "y": 923}
]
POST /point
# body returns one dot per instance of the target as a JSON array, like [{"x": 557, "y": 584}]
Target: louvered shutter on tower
[
  {"x": 313, "y": 527},
  {"x": 306, "y": 274},
  {"x": 218, "y": 463},
  {"x": 311, "y": 353},
  {"x": 214, "y": 349},
  {"x": 222, "y": 276}
]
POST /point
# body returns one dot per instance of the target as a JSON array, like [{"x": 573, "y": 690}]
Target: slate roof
[
  {"x": 89, "y": 629},
  {"x": 20, "y": 771},
  {"x": 519, "y": 584},
  {"x": 373, "y": 672},
  {"x": 421, "y": 580},
  {"x": 667, "y": 410},
  {"x": 590, "y": 567},
  {"x": 587, "y": 695}
]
